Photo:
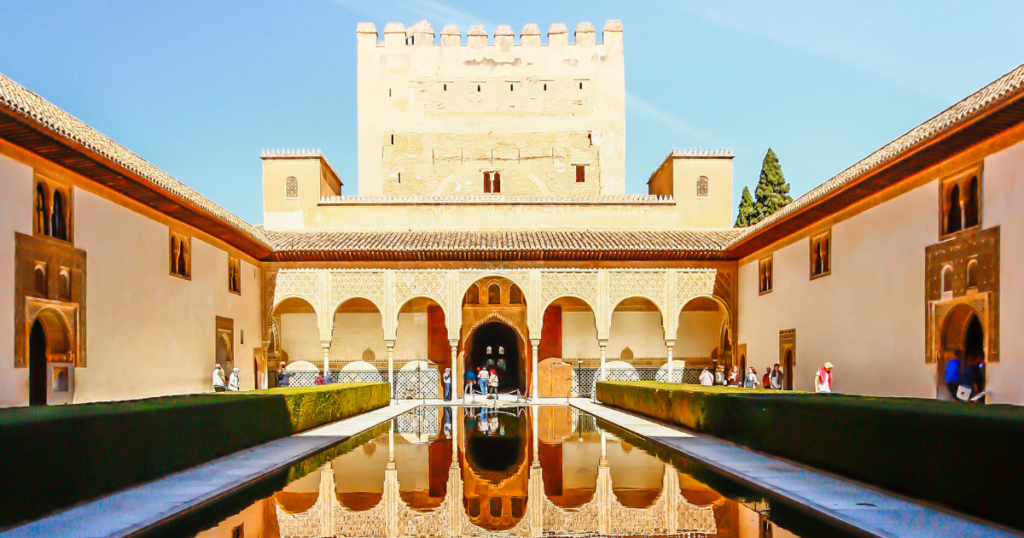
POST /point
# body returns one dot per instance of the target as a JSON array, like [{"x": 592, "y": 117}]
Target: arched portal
[
  {"x": 703, "y": 336},
  {"x": 295, "y": 336},
  {"x": 496, "y": 346},
  {"x": 495, "y": 299},
  {"x": 37, "y": 365},
  {"x": 963, "y": 336}
]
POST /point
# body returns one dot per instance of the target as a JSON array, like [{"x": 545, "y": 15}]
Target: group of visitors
[
  {"x": 966, "y": 382},
  {"x": 284, "y": 378},
  {"x": 323, "y": 378},
  {"x": 733, "y": 379},
  {"x": 486, "y": 380},
  {"x": 218, "y": 379}
]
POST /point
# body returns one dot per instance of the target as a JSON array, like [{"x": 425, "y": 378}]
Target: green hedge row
[
  {"x": 55, "y": 457},
  {"x": 966, "y": 457}
]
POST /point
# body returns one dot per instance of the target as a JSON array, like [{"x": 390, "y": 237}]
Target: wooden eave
[
  {"x": 37, "y": 138},
  {"x": 510, "y": 255},
  {"x": 999, "y": 117}
]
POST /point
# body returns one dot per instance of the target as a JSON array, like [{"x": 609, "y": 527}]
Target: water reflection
[{"x": 515, "y": 471}]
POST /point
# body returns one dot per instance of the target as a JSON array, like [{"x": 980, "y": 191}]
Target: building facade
[{"x": 492, "y": 229}]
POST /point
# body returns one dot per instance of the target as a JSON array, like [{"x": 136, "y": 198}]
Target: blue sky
[{"x": 199, "y": 87}]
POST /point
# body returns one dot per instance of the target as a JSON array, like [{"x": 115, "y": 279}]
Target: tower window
[
  {"x": 702, "y": 187},
  {"x": 445, "y": 87},
  {"x": 42, "y": 210},
  {"x": 764, "y": 271},
  {"x": 581, "y": 85},
  {"x": 234, "y": 275},
  {"x": 511, "y": 88},
  {"x": 487, "y": 182},
  {"x": 545, "y": 87},
  {"x": 972, "y": 275},
  {"x": 181, "y": 256},
  {"x": 961, "y": 201},
  {"x": 581, "y": 173},
  {"x": 590, "y": 139},
  {"x": 478, "y": 87},
  {"x": 492, "y": 182},
  {"x": 399, "y": 177},
  {"x": 947, "y": 280},
  {"x": 392, "y": 140},
  {"x": 291, "y": 188},
  {"x": 494, "y": 294},
  {"x": 821, "y": 254}
]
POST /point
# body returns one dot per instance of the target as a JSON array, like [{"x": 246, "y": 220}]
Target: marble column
[
  {"x": 670, "y": 344},
  {"x": 604, "y": 348},
  {"x": 534, "y": 385},
  {"x": 456, "y": 377},
  {"x": 391, "y": 366},
  {"x": 326, "y": 345}
]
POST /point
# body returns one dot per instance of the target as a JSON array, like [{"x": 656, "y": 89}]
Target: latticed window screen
[
  {"x": 291, "y": 188},
  {"x": 702, "y": 187}
]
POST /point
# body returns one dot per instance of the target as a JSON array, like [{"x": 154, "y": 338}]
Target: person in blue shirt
[
  {"x": 470, "y": 383},
  {"x": 953, "y": 373}
]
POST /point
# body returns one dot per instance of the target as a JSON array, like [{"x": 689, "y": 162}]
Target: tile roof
[
  {"x": 526, "y": 244},
  {"x": 993, "y": 95},
  {"x": 28, "y": 104}
]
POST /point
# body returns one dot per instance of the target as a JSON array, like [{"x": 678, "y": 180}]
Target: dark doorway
[
  {"x": 495, "y": 346},
  {"x": 787, "y": 370},
  {"x": 37, "y": 365}
]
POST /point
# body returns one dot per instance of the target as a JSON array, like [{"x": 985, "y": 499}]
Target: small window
[
  {"x": 494, "y": 294},
  {"x": 445, "y": 87},
  {"x": 947, "y": 279},
  {"x": 702, "y": 187},
  {"x": 971, "y": 205},
  {"x": 972, "y": 275},
  {"x": 389, "y": 92},
  {"x": 64, "y": 288},
  {"x": 515, "y": 295},
  {"x": 399, "y": 177},
  {"x": 581, "y": 85},
  {"x": 764, "y": 270},
  {"x": 238, "y": 532},
  {"x": 234, "y": 276},
  {"x": 392, "y": 140},
  {"x": 58, "y": 218},
  {"x": 40, "y": 280},
  {"x": 511, "y": 87},
  {"x": 954, "y": 211},
  {"x": 492, "y": 182},
  {"x": 181, "y": 256},
  {"x": 473, "y": 295},
  {"x": 581, "y": 173},
  {"x": 497, "y": 183},
  {"x": 291, "y": 188},
  {"x": 545, "y": 87},
  {"x": 590, "y": 139},
  {"x": 821, "y": 254},
  {"x": 487, "y": 182},
  {"x": 477, "y": 87},
  {"x": 42, "y": 210}
]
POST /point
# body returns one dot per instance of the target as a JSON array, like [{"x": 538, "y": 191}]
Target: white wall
[
  {"x": 640, "y": 331},
  {"x": 353, "y": 334},
  {"x": 151, "y": 333},
  {"x": 15, "y": 216},
  {"x": 868, "y": 316},
  {"x": 579, "y": 335},
  {"x": 698, "y": 334}
]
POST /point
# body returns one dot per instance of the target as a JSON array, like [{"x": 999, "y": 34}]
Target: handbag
[{"x": 963, "y": 393}]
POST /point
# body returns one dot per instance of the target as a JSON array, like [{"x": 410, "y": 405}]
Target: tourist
[
  {"x": 233, "y": 380},
  {"x": 735, "y": 378},
  {"x": 218, "y": 379},
  {"x": 766, "y": 379},
  {"x": 706, "y": 379},
  {"x": 447, "y": 379},
  {"x": 328, "y": 379},
  {"x": 750, "y": 381},
  {"x": 470, "y": 383},
  {"x": 952, "y": 375},
  {"x": 972, "y": 383},
  {"x": 319, "y": 379},
  {"x": 823, "y": 379},
  {"x": 720, "y": 376},
  {"x": 283, "y": 377},
  {"x": 482, "y": 377},
  {"x": 775, "y": 378},
  {"x": 492, "y": 383}
]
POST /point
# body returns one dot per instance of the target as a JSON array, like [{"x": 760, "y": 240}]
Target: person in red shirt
[{"x": 823, "y": 379}]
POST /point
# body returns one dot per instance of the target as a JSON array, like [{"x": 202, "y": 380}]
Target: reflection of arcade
[
  {"x": 496, "y": 467},
  {"x": 495, "y": 346}
]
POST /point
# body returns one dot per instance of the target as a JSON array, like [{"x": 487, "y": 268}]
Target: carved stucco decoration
[
  {"x": 299, "y": 283},
  {"x": 694, "y": 283},
  {"x": 582, "y": 284},
  {"x": 520, "y": 278},
  {"x": 432, "y": 284},
  {"x": 369, "y": 285}
]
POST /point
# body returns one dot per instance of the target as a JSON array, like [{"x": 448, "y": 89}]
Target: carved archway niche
[{"x": 498, "y": 299}]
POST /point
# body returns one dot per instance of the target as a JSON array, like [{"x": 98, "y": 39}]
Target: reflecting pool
[{"x": 510, "y": 471}]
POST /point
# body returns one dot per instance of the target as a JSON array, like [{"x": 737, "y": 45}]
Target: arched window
[
  {"x": 494, "y": 294},
  {"x": 947, "y": 280},
  {"x": 180, "y": 256},
  {"x": 765, "y": 273},
  {"x": 291, "y": 188},
  {"x": 702, "y": 187},
  {"x": 971, "y": 204},
  {"x": 473, "y": 295},
  {"x": 40, "y": 286},
  {"x": 487, "y": 182},
  {"x": 495, "y": 507},
  {"x": 234, "y": 276},
  {"x": 972, "y": 274},
  {"x": 497, "y": 182},
  {"x": 64, "y": 291},
  {"x": 58, "y": 222},
  {"x": 954, "y": 216},
  {"x": 826, "y": 260},
  {"x": 42, "y": 210},
  {"x": 515, "y": 295},
  {"x": 817, "y": 260}
]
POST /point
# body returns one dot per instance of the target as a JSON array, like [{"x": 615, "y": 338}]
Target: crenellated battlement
[{"x": 422, "y": 34}]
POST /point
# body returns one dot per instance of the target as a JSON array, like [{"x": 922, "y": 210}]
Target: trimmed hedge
[
  {"x": 951, "y": 453},
  {"x": 55, "y": 457}
]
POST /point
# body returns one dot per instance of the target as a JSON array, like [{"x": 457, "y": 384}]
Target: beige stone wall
[
  {"x": 315, "y": 180},
  {"x": 15, "y": 216},
  {"x": 678, "y": 177},
  {"x": 353, "y": 334},
  {"x": 868, "y": 316},
  {"x": 455, "y": 111},
  {"x": 698, "y": 334},
  {"x": 151, "y": 333}
]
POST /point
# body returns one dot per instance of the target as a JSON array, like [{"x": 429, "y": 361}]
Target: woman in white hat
[{"x": 233, "y": 380}]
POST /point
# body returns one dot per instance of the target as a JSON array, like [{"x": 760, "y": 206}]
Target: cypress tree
[
  {"x": 772, "y": 192},
  {"x": 746, "y": 212}
]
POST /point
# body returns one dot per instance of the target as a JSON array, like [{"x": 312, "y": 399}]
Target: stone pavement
[
  {"x": 139, "y": 507},
  {"x": 848, "y": 504}
]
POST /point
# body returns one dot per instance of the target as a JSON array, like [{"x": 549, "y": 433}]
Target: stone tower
[{"x": 526, "y": 119}]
